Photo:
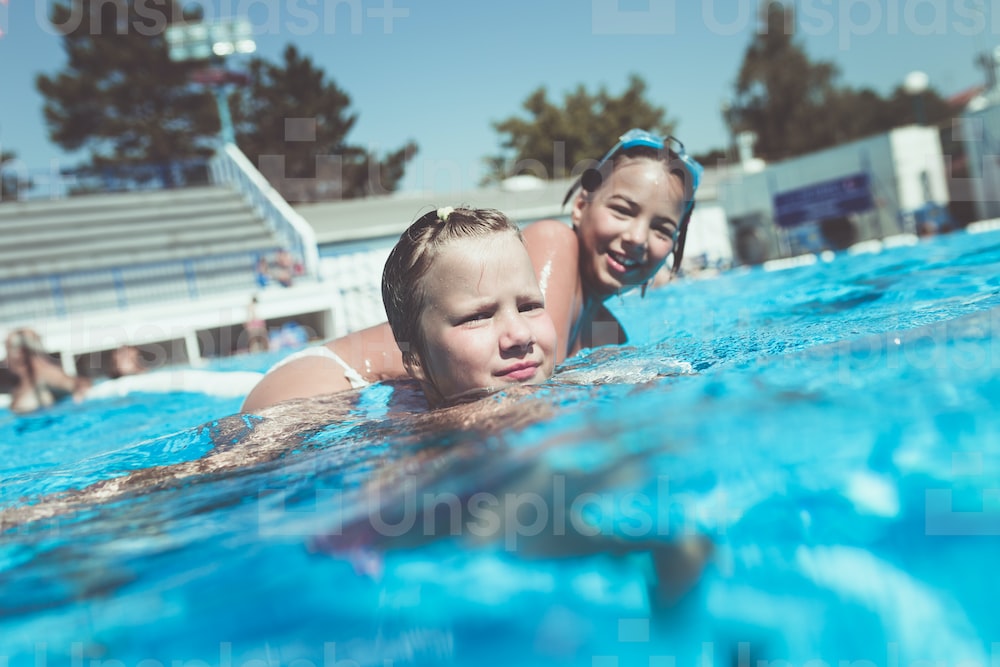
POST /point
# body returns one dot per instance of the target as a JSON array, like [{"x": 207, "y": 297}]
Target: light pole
[
  {"x": 915, "y": 84},
  {"x": 213, "y": 43}
]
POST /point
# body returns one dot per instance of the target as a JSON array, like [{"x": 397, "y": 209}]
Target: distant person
[
  {"x": 290, "y": 336},
  {"x": 630, "y": 213},
  {"x": 262, "y": 273},
  {"x": 126, "y": 360},
  {"x": 41, "y": 381},
  {"x": 255, "y": 329},
  {"x": 284, "y": 268}
]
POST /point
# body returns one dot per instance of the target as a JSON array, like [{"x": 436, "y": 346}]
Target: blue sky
[{"x": 440, "y": 71}]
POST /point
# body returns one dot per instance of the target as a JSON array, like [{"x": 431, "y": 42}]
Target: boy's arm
[{"x": 372, "y": 352}]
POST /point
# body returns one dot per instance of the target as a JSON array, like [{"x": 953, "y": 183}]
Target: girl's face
[
  {"x": 626, "y": 227},
  {"x": 484, "y": 323}
]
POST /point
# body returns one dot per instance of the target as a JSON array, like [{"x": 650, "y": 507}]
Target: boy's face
[{"x": 484, "y": 324}]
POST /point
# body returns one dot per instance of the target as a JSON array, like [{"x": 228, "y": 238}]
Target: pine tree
[
  {"x": 795, "y": 106},
  {"x": 293, "y": 123},
  {"x": 120, "y": 97}
]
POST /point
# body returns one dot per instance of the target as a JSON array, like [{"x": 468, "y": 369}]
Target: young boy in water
[
  {"x": 464, "y": 305},
  {"x": 465, "y": 310}
]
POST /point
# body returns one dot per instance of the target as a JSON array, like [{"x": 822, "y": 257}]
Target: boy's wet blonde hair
[{"x": 402, "y": 291}]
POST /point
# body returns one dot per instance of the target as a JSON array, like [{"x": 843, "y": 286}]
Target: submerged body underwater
[{"x": 830, "y": 431}]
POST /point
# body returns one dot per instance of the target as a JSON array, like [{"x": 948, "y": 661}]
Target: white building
[{"x": 830, "y": 199}]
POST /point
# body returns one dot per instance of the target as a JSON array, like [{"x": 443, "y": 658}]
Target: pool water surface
[{"x": 827, "y": 434}]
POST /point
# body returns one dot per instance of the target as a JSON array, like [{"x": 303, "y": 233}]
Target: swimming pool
[{"x": 835, "y": 438}]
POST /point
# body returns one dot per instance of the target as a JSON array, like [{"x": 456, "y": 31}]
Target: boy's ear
[{"x": 411, "y": 362}]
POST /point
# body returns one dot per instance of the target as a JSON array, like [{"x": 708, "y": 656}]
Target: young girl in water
[
  {"x": 464, "y": 309},
  {"x": 630, "y": 214}
]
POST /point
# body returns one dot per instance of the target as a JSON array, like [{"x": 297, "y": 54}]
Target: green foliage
[
  {"x": 119, "y": 96},
  {"x": 123, "y": 100},
  {"x": 554, "y": 141},
  {"x": 293, "y": 124},
  {"x": 794, "y": 105}
]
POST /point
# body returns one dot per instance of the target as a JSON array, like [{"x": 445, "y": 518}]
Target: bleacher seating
[
  {"x": 100, "y": 251},
  {"x": 111, "y": 230}
]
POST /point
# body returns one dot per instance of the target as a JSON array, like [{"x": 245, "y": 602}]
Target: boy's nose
[{"x": 516, "y": 332}]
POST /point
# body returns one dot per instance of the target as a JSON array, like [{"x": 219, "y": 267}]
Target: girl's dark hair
[{"x": 402, "y": 292}]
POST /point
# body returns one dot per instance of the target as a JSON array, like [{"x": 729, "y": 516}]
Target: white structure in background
[
  {"x": 708, "y": 245},
  {"x": 981, "y": 134},
  {"x": 745, "y": 141},
  {"x": 867, "y": 189}
]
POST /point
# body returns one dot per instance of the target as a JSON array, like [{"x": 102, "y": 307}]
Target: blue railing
[
  {"x": 233, "y": 168},
  {"x": 120, "y": 288}
]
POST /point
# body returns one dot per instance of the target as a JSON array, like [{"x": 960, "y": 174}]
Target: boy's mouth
[{"x": 519, "y": 372}]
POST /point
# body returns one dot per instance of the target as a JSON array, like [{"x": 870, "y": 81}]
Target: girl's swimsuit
[{"x": 353, "y": 376}]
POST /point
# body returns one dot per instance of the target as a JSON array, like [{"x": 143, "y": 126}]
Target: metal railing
[
  {"x": 231, "y": 167},
  {"x": 119, "y": 288}
]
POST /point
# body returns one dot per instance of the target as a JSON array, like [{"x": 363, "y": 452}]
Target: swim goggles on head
[{"x": 635, "y": 138}]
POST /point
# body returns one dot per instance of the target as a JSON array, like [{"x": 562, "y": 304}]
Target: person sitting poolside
[
  {"x": 262, "y": 272},
  {"x": 41, "y": 381},
  {"x": 126, "y": 360},
  {"x": 284, "y": 268}
]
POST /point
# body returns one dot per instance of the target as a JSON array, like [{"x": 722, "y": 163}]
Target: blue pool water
[{"x": 835, "y": 437}]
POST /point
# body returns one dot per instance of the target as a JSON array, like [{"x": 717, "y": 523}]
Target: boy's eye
[
  {"x": 476, "y": 317},
  {"x": 531, "y": 306}
]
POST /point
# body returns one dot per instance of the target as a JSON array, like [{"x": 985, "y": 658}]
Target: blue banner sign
[{"x": 821, "y": 201}]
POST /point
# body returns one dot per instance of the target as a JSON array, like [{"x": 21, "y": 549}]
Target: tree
[
  {"x": 293, "y": 124},
  {"x": 553, "y": 141},
  {"x": 120, "y": 96},
  {"x": 780, "y": 94},
  {"x": 794, "y": 105}
]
